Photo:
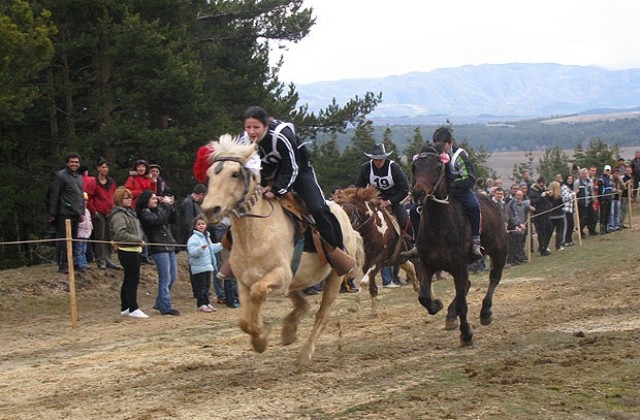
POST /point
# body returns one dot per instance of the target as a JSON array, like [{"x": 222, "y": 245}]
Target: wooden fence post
[{"x": 72, "y": 278}]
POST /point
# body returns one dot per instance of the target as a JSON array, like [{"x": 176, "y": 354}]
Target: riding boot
[
  {"x": 412, "y": 253},
  {"x": 476, "y": 248},
  {"x": 341, "y": 262}
]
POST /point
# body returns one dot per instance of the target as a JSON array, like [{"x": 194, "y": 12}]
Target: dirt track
[{"x": 564, "y": 344}]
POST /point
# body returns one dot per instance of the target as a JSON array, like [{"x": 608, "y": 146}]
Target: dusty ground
[{"x": 563, "y": 345}]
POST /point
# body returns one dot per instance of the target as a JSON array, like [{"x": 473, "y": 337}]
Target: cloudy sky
[{"x": 369, "y": 38}]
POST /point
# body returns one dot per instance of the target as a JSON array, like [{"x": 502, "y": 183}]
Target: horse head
[
  {"x": 233, "y": 178},
  {"x": 429, "y": 173}
]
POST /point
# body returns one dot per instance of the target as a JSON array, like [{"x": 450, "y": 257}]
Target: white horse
[{"x": 263, "y": 247}]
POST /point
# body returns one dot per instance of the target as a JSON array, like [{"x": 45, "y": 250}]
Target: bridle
[
  {"x": 431, "y": 196},
  {"x": 244, "y": 205}
]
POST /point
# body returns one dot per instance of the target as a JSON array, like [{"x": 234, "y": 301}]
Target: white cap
[{"x": 607, "y": 167}]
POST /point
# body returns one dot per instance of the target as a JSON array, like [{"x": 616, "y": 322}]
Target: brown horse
[
  {"x": 444, "y": 241},
  {"x": 382, "y": 242},
  {"x": 263, "y": 250}
]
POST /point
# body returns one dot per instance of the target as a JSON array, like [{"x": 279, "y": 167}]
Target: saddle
[{"x": 304, "y": 223}]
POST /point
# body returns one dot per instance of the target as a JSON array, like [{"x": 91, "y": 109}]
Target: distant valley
[{"x": 486, "y": 93}]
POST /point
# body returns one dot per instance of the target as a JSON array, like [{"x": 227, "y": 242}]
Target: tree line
[{"x": 132, "y": 79}]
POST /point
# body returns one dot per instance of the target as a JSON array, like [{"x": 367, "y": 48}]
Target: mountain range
[{"x": 484, "y": 93}]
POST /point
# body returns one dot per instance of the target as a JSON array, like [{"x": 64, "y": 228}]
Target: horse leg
[
  {"x": 486, "y": 315},
  {"x": 257, "y": 295},
  {"x": 370, "y": 280},
  {"x": 290, "y": 323},
  {"x": 410, "y": 271},
  {"x": 451, "y": 321},
  {"x": 331, "y": 289},
  {"x": 425, "y": 294},
  {"x": 462, "y": 284}
]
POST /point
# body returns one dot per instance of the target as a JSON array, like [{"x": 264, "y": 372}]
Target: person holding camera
[
  {"x": 156, "y": 215},
  {"x": 539, "y": 196}
]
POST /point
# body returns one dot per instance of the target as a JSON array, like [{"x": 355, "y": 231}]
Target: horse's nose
[{"x": 212, "y": 214}]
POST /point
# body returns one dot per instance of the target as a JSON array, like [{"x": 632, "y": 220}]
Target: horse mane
[
  {"x": 431, "y": 147},
  {"x": 350, "y": 195},
  {"x": 232, "y": 146}
]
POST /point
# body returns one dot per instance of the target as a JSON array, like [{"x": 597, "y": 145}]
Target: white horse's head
[{"x": 233, "y": 177}]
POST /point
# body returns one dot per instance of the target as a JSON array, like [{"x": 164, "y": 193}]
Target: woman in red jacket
[
  {"x": 100, "y": 205},
  {"x": 140, "y": 180}
]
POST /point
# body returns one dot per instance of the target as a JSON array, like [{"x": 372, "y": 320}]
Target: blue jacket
[{"x": 202, "y": 260}]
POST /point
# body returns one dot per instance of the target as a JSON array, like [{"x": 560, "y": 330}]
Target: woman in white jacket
[{"x": 203, "y": 262}]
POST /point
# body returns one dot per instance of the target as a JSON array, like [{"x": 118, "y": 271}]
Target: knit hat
[{"x": 199, "y": 189}]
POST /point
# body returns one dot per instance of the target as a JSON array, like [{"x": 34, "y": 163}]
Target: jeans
[
  {"x": 167, "y": 266},
  {"x": 80, "y": 254},
  {"x": 614, "y": 217},
  {"x": 387, "y": 275}
]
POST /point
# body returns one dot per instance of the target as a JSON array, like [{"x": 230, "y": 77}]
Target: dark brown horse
[
  {"x": 382, "y": 237},
  {"x": 444, "y": 241}
]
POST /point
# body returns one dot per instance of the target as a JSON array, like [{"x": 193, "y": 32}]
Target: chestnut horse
[
  {"x": 382, "y": 242},
  {"x": 444, "y": 241},
  {"x": 263, "y": 250}
]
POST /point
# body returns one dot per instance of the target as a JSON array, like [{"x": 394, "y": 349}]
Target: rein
[{"x": 432, "y": 196}]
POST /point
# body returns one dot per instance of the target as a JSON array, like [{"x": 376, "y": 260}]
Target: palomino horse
[
  {"x": 382, "y": 242},
  {"x": 263, "y": 248},
  {"x": 444, "y": 241}
]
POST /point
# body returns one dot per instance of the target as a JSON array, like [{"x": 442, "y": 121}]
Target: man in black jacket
[{"x": 66, "y": 202}]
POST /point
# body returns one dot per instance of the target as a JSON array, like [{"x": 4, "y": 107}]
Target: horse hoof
[
  {"x": 259, "y": 342},
  {"x": 486, "y": 321},
  {"x": 289, "y": 335},
  {"x": 451, "y": 324},
  {"x": 466, "y": 340}
]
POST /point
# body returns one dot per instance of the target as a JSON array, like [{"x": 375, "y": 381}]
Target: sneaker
[
  {"x": 220, "y": 301},
  {"x": 205, "y": 308},
  {"x": 125, "y": 312},
  {"x": 173, "y": 312},
  {"x": 390, "y": 285},
  {"x": 101, "y": 265},
  {"x": 138, "y": 314},
  {"x": 212, "y": 308},
  {"x": 560, "y": 249}
]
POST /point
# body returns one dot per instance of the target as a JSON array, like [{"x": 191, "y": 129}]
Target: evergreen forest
[{"x": 155, "y": 80}]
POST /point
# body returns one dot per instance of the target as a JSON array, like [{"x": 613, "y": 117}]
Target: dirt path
[{"x": 564, "y": 344}]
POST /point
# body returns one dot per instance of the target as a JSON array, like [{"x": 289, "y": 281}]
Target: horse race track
[{"x": 564, "y": 344}]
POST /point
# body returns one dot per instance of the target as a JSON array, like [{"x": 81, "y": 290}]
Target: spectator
[
  {"x": 556, "y": 215},
  {"x": 627, "y": 180},
  {"x": 126, "y": 232},
  {"x": 202, "y": 263},
  {"x": 161, "y": 185},
  {"x": 139, "y": 180},
  {"x": 498, "y": 198},
  {"x": 605, "y": 193},
  {"x": 593, "y": 222},
  {"x": 538, "y": 196},
  {"x": 85, "y": 227},
  {"x": 583, "y": 187},
  {"x": 526, "y": 179},
  {"x": 618, "y": 187},
  {"x": 568, "y": 196},
  {"x": 226, "y": 290},
  {"x": 190, "y": 209},
  {"x": 100, "y": 204},
  {"x": 156, "y": 215},
  {"x": 66, "y": 202},
  {"x": 518, "y": 215},
  {"x": 89, "y": 186},
  {"x": 635, "y": 171}
]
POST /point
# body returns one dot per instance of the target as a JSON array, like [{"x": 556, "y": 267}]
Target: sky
[{"x": 378, "y": 38}]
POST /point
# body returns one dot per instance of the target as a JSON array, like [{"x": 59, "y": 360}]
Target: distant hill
[{"x": 486, "y": 93}]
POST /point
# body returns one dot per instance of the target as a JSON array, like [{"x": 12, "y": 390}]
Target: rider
[
  {"x": 387, "y": 176},
  {"x": 286, "y": 167},
  {"x": 460, "y": 181}
]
